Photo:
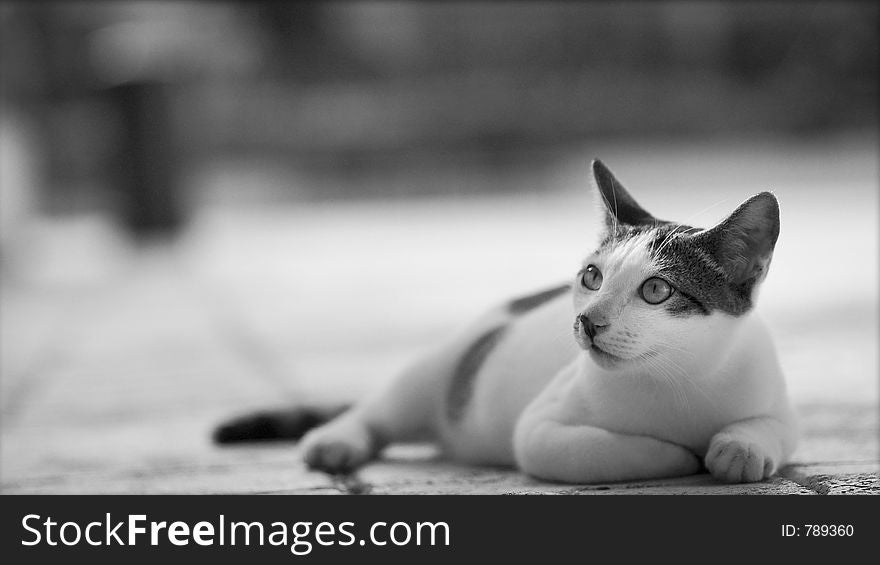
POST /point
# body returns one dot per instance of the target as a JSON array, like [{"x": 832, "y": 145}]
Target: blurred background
[{"x": 207, "y": 207}]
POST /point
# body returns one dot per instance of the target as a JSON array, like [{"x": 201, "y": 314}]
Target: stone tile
[
  {"x": 837, "y": 478},
  {"x": 417, "y": 470},
  {"x": 260, "y": 469},
  {"x": 701, "y": 484}
]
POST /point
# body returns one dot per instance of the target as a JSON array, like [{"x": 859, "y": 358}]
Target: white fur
[{"x": 687, "y": 389}]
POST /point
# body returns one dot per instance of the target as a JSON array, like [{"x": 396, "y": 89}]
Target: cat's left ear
[
  {"x": 620, "y": 207},
  {"x": 743, "y": 243}
]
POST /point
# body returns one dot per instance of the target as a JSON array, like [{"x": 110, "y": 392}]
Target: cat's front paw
[
  {"x": 735, "y": 460},
  {"x": 337, "y": 447}
]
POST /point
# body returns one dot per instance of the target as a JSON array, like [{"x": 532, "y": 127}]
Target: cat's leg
[
  {"x": 751, "y": 450},
  {"x": 554, "y": 440},
  {"x": 551, "y": 450},
  {"x": 402, "y": 411}
]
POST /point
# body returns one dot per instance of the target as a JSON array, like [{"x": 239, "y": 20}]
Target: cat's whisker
[
  {"x": 694, "y": 384},
  {"x": 670, "y": 361},
  {"x": 666, "y": 241},
  {"x": 672, "y": 345},
  {"x": 703, "y": 211},
  {"x": 678, "y": 397},
  {"x": 679, "y": 388},
  {"x": 672, "y": 235},
  {"x": 675, "y": 348},
  {"x": 675, "y": 376},
  {"x": 663, "y": 243}
]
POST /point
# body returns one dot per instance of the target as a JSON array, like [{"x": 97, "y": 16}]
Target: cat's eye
[
  {"x": 591, "y": 278},
  {"x": 655, "y": 290}
]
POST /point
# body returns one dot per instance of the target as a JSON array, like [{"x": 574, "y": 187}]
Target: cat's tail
[{"x": 280, "y": 424}]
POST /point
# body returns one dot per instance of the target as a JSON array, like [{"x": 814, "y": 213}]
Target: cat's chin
[
  {"x": 604, "y": 359},
  {"x": 610, "y": 361}
]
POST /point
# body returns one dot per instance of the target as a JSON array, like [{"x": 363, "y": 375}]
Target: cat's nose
[{"x": 591, "y": 328}]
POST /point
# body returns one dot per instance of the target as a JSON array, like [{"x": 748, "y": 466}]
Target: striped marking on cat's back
[
  {"x": 464, "y": 376},
  {"x": 461, "y": 386}
]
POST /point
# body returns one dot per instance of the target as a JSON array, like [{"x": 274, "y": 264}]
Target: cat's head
[{"x": 654, "y": 288}]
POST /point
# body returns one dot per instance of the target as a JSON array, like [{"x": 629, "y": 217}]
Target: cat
[{"x": 667, "y": 369}]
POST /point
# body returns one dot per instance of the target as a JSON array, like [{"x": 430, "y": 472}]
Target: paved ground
[{"x": 117, "y": 362}]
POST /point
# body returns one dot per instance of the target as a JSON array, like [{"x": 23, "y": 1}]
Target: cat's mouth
[
  {"x": 599, "y": 355},
  {"x": 612, "y": 361}
]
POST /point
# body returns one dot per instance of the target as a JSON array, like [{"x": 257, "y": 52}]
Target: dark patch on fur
[
  {"x": 461, "y": 387},
  {"x": 701, "y": 285},
  {"x": 701, "y": 288},
  {"x": 690, "y": 265},
  {"x": 525, "y": 304},
  {"x": 275, "y": 425},
  {"x": 683, "y": 304}
]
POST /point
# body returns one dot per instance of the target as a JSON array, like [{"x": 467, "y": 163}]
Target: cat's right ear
[{"x": 620, "y": 207}]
